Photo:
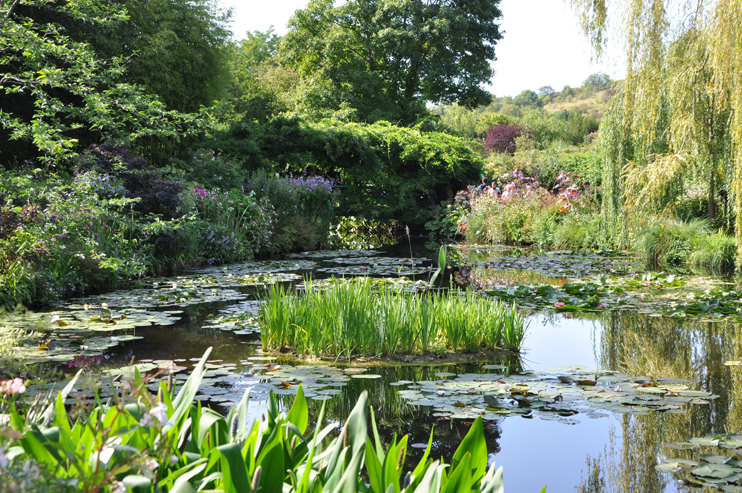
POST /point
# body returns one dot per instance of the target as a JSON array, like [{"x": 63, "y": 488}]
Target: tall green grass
[
  {"x": 673, "y": 241},
  {"x": 357, "y": 318}
]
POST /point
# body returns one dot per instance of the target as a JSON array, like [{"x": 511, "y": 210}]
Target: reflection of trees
[
  {"x": 639, "y": 344},
  {"x": 394, "y": 416}
]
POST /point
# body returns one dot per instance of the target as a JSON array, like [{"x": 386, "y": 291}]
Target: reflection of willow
[{"x": 638, "y": 344}]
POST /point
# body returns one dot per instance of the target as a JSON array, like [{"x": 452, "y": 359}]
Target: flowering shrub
[
  {"x": 232, "y": 226},
  {"x": 526, "y": 212}
]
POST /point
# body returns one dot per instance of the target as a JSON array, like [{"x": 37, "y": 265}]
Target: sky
[{"x": 542, "y": 44}]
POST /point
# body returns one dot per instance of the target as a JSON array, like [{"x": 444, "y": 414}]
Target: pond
[{"x": 603, "y": 395}]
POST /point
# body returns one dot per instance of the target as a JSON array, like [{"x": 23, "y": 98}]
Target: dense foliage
[
  {"x": 384, "y": 171},
  {"x": 59, "y": 95},
  {"x": 677, "y": 122},
  {"x": 116, "y": 219},
  {"x": 386, "y": 59}
]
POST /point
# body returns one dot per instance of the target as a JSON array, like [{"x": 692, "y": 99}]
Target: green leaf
[
  {"x": 475, "y": 444},
  {"x": 233, "y": 469},
  {"x": 138, "y": 484},
  {"x": 460, "y": 480},
  {"x": 299, "y": 413},
  {"x": 182, "y": 402}
]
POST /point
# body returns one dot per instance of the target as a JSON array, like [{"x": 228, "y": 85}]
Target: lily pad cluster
[
  {"x": 721, "y": 470},
  {"x": 557, "y": 264},
  {"x": 165, "y": 295},
  {"x": 240, "y": 318},
  {"x": 377, "y": 266},
  {"x": 224, "y": 383},
  {"x": 558, "y": 394},
  {"x": 325, "y": 254},
  {"x": 83, "y": 333}
]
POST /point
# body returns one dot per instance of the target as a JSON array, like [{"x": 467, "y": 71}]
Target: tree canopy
[
  {"x": 387, "y": 59},
  {"x": 58, "y": 94},
  {"x": 678, "y": 116}
]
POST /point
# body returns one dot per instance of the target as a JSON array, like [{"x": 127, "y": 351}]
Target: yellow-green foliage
[{"x": 679, "y": 113}]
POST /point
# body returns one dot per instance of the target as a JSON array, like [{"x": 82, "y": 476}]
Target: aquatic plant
[
  {"x": 361, "y": 317},
  {"x": 141, "y": 442}
]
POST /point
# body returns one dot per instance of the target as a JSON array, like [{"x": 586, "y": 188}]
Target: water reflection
[{"x": 642, "y": 344}]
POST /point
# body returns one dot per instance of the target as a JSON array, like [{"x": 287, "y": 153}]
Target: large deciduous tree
[
  {"x": 57, "y": 95},
  {"x": 678, "y": 115},
  {"x": 387, "y": 59}
]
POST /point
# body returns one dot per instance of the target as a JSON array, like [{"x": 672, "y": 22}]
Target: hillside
[{"x": 587, "y": 100}]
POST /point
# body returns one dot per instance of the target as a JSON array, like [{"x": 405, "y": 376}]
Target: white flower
[
  {"x": 159, "y": 412},
  {"x": 118, "y": 487},
  {"x": 3, "y": 459},
  {"x": 151, "y": 464}
]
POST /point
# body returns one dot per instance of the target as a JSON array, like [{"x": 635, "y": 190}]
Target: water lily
[
  {"x": 601, "y": 306},
  {"x": 558, "y": 304}
]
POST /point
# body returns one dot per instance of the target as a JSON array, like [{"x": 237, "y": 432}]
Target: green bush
[
  {"x": 388, "y": 172},
  {"x": 718, "y": 251}
]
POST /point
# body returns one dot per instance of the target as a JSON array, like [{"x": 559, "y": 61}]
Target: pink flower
[
  {"x": 601, "y": 306},
  {"x": 10, "y": 387},
  {"x": 558, "y": 304},
  {"x": 646, "y": 283}
]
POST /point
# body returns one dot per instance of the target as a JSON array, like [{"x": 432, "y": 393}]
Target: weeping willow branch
[
  {"x": 682, "y": 97},
  {"x": 646, "y": 187}
]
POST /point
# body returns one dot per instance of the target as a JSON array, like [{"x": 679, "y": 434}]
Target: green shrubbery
[
  {"x": 566, "y": 216},
  {"x": 673, "y": 241},
  {"x": 356, "y": 318},
  {"x": 142, "y": 443},
  {"x": 113, "y": 220},
  {"x": 386, "y": 171}
]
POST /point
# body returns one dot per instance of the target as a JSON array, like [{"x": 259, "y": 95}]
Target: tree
[
  {"x": 597, "y": 81},
  {"x": 177, "y": 49},
  {"x": 527, "y": 98},
  {"x": 501, "y": 138},
  {"x": 679, "y": 113},
  {"x": 388, "y": 59},
  {"x": 256, "y": 48},
  {"x": 546, "y": 91},
  {"x": 58, "y": 94}
]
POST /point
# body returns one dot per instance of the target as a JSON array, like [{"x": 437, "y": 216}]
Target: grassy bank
[{"x": 356, "y": 318}]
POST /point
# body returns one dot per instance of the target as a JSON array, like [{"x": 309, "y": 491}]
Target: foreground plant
[{"x": 139, "y": 443}]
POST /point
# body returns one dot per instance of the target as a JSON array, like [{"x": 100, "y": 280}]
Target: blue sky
[{"x": 542, "y": 44}]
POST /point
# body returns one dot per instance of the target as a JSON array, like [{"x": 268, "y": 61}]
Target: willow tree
[{"x": 678, "y": 117}]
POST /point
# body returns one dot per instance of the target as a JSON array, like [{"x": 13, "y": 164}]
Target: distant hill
[{"x": 587, "y": 100}]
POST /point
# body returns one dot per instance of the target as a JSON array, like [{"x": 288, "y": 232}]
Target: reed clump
[{"x": 358, "y": 318}]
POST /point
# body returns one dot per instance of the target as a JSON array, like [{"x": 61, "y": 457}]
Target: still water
[{"x": 619, "y": 451}]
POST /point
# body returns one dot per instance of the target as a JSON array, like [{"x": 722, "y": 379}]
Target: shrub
[
  {"x": 670, "y": 241},
  {"x": 210, "y": 170},
  {"x": 718, "y": 251},
  {"x": 501, "y": 138}
]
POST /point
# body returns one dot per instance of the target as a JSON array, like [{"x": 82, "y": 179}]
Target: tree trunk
[{"x": 712, "y": 194}]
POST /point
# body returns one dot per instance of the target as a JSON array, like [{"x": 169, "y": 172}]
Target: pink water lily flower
[
  {"x": 601, "y": 306},
  {"x": 558, "y": 304}
]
